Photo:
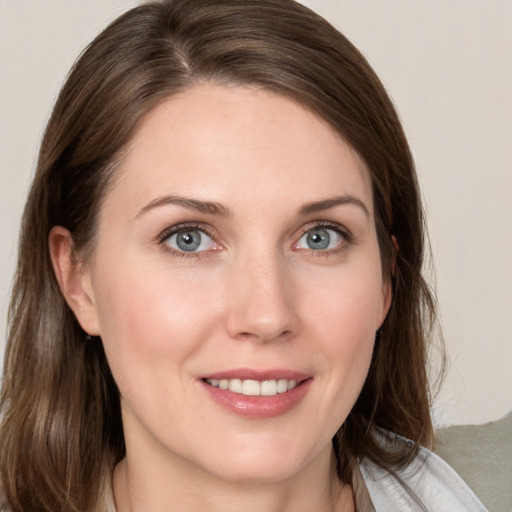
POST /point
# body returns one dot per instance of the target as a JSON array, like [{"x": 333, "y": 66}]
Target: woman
[{"x": 219, "y": 302}]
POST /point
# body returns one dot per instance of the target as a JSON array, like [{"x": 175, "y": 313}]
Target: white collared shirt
[{"x": 435, "y": 484}]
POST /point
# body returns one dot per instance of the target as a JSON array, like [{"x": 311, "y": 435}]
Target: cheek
[
  {"x": 149, "y": 317},
  {"x": 345, "y": 334},
  {"x": 345, "y": 313},
  {"x": 348, "y": 304}
]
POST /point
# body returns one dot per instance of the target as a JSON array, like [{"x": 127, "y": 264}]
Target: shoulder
[{"x": 434, "y": 483}]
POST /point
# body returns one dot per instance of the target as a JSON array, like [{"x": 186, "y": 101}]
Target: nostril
[{"x": 264, "y": 336}]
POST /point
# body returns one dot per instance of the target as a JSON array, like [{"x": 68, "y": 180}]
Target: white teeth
[
  {"x": 282, "y": 385},
  {"x": 235, "y": 385},
  {"x": 251, "y": 388},
  {"x": 268, "y": 388},
  {"x": 254, "y": 387}
]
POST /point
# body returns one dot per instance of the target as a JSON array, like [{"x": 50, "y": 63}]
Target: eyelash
[
  {"x": 173, "y": 230},
  {"x": 333, "y": 226},
  {"x": 347, "y": 237}
]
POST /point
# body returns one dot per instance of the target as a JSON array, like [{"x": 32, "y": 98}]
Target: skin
[{"x": 255, "y": 295}]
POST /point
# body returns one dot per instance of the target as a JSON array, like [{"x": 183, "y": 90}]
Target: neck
[{"x": 141, "y": 489}]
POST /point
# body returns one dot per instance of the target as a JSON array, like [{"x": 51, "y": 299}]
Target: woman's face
[{"x": 237, "y": 248}]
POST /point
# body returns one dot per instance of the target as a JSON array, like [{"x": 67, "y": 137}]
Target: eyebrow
[
  {"x": 208, "y": 207},
  {"x": 326, "y": 204},
  {"x": 214, "y": 208}
]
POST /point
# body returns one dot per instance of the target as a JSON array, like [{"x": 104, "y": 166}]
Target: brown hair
[{"x": 61, "y": 431}]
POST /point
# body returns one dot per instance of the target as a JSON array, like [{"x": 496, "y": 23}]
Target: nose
[{"x": 261, "y": 300}]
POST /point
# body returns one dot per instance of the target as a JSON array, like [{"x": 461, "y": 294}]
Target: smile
[
  {"x": 249, "y": 387},
  {"x": 257, "y": 394}
]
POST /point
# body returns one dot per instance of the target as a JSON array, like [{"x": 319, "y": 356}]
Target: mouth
[
  {"x": 257, "y": 394},
  {"x": 251, "y": 387}
]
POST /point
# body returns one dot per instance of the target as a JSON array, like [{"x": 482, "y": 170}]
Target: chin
[{"x": 266, "y": 464}]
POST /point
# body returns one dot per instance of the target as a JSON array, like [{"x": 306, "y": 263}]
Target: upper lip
[{"x": 258, "y": 374}]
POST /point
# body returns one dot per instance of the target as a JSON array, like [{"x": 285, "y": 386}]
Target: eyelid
[
  {"x": 187, "y": 226},
  {"x": 334, "y": 226}
]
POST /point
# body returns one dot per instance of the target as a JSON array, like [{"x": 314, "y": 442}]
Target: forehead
[{"x": 218, "y": 141}]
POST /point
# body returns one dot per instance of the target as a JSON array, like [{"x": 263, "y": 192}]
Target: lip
[
  {"x": 257, "y": 374},
  {"x": 258, "y": 407}
]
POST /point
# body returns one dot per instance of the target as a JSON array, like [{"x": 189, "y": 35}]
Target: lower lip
[{"x": 259, "y": 407}]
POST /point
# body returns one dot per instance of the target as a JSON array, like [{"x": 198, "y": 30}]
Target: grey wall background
[{"x": 448, "y": 67}]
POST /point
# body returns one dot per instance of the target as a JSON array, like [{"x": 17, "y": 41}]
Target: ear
[{"x": 74, "y": 280}]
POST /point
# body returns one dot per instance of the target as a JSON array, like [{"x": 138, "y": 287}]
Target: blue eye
[
  {"x": 190, "y": 240},
  {"x": 320, "y": 239}
]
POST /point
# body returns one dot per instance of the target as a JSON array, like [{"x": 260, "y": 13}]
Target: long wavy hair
[{"x": 61, "y": 431}]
